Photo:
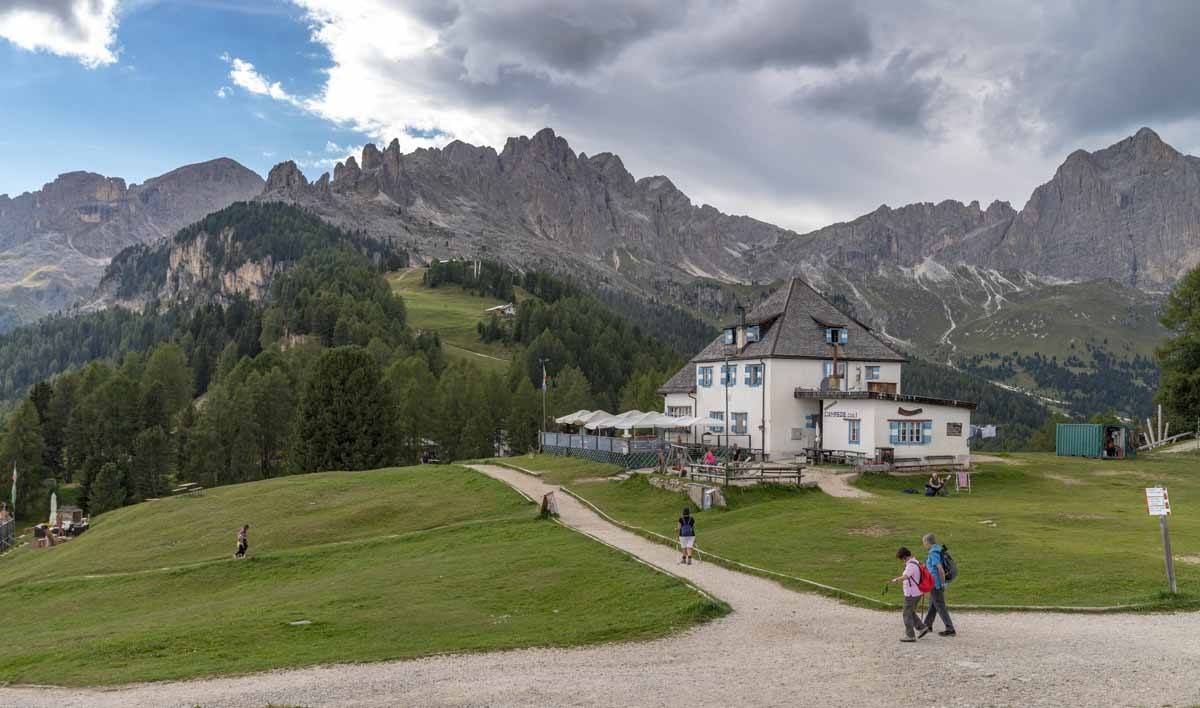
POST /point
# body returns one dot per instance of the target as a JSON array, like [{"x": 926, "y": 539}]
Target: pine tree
[
  {"x": 149, "y": 465},
  {"x": 523, "y": 418},
  {"x": 108, "y": 489},
  {"x": 167, "y": 368},
  {"x": 347, "y": 417},
  {"x": 24, "y": 447},
  {"x": 479, "y": 435},
  {"x": 571, "y": 392}
]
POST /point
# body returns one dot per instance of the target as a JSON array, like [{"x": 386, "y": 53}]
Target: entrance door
[{"x": 880, "y": 387}]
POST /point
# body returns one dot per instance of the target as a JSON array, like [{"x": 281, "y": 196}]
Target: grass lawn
[
  {"x": 386, "y": 564},
  {"x": 1040, "y": 531},
  {"x": 453, "y": 313},
  {"x": 556, "y": 469}
]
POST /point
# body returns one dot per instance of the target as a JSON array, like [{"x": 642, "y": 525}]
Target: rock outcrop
[{"x": 55, "y": 243}]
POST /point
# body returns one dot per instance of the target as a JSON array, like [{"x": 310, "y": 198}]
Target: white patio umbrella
[{"x": 53, "y": 507}]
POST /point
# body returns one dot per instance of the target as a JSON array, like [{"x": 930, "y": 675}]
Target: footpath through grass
[
  {"x": 453, "y": 313},
  {"x": 1040, "y": 530},
  {"x": 556, "y": 469},
  {"x": 384, "y": 565}
]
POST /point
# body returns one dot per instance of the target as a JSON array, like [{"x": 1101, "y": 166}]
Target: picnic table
[{"x": 188, "y": 488}]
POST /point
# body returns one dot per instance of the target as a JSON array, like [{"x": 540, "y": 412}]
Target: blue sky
[
  {"x": 157, "y": 107},
  {"x": 798, "y": 112}
]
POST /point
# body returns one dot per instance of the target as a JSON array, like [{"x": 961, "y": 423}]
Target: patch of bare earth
[
  {"x": 1082, "y": 517},
  {"x": 1069, "y": 481},
  {"x": 997, "y": 460},
  {"x": 1190, "y": 560},
  {"x": 871, "y": 531}
]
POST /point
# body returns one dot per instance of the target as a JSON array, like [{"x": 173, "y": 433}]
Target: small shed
[{"x": 1099, "y": 440}]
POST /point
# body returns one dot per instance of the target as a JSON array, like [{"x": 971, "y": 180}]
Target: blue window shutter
[
  {"x": 844, "y": 335},
  {"x": 926, "y": 432},
  {"x": 893, "y": 432},
  {"x": 828, "y": 336},
  {"x": 828, "y": 368}
]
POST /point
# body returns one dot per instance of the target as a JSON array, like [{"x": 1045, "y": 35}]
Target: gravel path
[
  {"x": 835, "y": 483},
  {"x": 778, "y": 648}
]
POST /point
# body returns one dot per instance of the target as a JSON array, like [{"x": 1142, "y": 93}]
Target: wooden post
[
  {"x": 1160, "y": 427},
  {"x": 1166, "y": 539},
  {"x": 1150, "y": 432}
]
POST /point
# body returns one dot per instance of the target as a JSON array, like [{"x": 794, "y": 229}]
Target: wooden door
[{"x": 880, "y": 387}]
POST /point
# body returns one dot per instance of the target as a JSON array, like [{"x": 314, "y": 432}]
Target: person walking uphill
[
  {"x": 243, "y": 541},
  {"x": 687, "y": 535},
  {"x": 913, "y": 579},
  {"x": 937, "y": 564}
]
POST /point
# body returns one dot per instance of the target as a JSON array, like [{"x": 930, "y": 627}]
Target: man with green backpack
[{"x": 944, "y": 570}]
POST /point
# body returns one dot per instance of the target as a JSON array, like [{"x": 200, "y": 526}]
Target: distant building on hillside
[
  {"x": 796, "y": 374},
  {"x": 508, "y": 309}
]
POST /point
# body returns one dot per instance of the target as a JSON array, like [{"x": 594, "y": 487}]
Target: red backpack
[{"x": 925, "y": 582}]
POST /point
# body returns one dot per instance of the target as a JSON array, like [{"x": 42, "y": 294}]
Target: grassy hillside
[
  {"x": 451, "y": 312},
  {"x": 385, "y": 564},
  {"x": 1036, "y": 530}
]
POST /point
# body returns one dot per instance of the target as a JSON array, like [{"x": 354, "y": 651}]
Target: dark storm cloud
[
  {"x": 784, "y": 34},
  {"x": 892, "y": 97},
  {"x": 552, "y": 35},
  {"x": 73, "y": 15},
  {"x": 1099, "y": 67}
]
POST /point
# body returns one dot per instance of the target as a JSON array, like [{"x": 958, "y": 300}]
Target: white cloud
[
  {"x": 224, "y": 92},
  {"x": 84, "y": 30},
  {"x": 242, "y": 73}
]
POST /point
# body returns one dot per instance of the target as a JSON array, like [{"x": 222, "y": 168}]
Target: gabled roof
[
  {"x": 793, "y": 321},
  {"x": 683, "y": 381}
]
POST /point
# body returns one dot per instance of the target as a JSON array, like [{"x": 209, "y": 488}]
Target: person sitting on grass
[{"x": 935, "y": 485}]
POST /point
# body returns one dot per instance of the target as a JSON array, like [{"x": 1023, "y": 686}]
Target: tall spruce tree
[
  {"x": 347, "y": 417},
  {"x": 108, "y": 489},
  {"x": 1179, "y": 357},
  {"x": 23, "y": 447}
]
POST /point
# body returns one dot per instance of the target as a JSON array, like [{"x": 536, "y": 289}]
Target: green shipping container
[{"x": 1093, "y": 440}]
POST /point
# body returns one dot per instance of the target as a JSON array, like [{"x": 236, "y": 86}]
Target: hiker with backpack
[
  {"x": 686, "y": 528},
  {"x": 942, "y": 567},
  {"x": 917, "y": 581}
]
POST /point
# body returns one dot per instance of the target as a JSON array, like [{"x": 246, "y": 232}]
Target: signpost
[{"x": 1159, "y": 504}]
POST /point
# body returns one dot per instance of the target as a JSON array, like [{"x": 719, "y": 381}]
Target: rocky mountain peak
[
  {"x": 285, "y": 177},
  {"x": 371, "y": 157}
]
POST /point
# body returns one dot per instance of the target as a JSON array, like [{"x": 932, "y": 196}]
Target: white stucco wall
[{"x": 876, "y": 417}]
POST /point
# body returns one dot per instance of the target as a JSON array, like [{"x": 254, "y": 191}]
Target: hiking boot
[
  {"x": 689, "y": 561},
  {"x": 908, "y": 639},
  {"x": 948, "y": 633},
  {"x": 923, "y": 632}
]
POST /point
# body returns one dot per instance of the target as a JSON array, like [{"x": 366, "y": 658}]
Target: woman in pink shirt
[{"x": 911, "y": 577}]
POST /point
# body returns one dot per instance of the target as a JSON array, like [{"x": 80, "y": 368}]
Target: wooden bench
[{"x": 187, "y": 489}]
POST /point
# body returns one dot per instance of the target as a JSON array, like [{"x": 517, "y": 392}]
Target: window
[
  {"x": 855, "y": 432},
  {"x": 738, "y": 423},
  {"x": 753, "y": 333},
  {"x": 810, "y": 422},
  {"x": 728, "y": 336},
  {"x": 910, "y": 432},
  {"x": 719, "y": 425},
  {"x": 836, "y": 335},
  {"x": 954, "y": 430},
  {"x": 704, "y": 376},
  {"x": 872, "y": 373},
  {"x": 728, "y": 374},
  {"x": 797, "y": 433},
  {"x": 754, "y": 374},
  {"x": 841, "y": 369},
  {"x": 679, "y": 411}
]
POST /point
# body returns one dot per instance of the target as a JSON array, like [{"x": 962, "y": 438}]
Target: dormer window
[
  {"x": 753, "y": 333},
  {"x": 728, "y": 336},
  {"x": 836, "y": 335}
]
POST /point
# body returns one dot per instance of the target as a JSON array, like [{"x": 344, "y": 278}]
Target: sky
[{"x": 797, "y": 112}]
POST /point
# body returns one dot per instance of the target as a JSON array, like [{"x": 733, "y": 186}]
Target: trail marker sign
[
  {"x": 1159, "y": 504},
  {"x": 1157, "y": 501}
]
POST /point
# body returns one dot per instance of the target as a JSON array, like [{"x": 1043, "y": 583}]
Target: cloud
[
  {"x": 242, "y": 73},
  {"x": 799, "y": 112},
  {"x": 224, "y": 92},
  {"x": 84, "y": 30},
  {"x": 891, "y": 96}
]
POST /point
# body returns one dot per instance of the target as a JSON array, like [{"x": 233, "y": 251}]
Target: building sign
[
  {"x": 914, "y": 411},
  {"x": 850, "y": 415},
  {"x": 954, "y": 430},
  {"x": 1157, "y": 502}
]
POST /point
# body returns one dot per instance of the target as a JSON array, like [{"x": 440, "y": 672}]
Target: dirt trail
[
  {"x": 778, "y": 648},
  {"x": 835, "y": 483}
]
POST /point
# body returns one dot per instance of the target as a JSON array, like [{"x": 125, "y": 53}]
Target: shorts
[{"x": 687, "y": 541}]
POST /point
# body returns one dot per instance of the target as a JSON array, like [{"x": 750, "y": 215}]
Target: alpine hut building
[{"x": 797, "y": 376}]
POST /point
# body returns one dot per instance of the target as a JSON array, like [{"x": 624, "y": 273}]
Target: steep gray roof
[
  {"x": 682, "y": 382},
  {"x": 793, "y": 322}
]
